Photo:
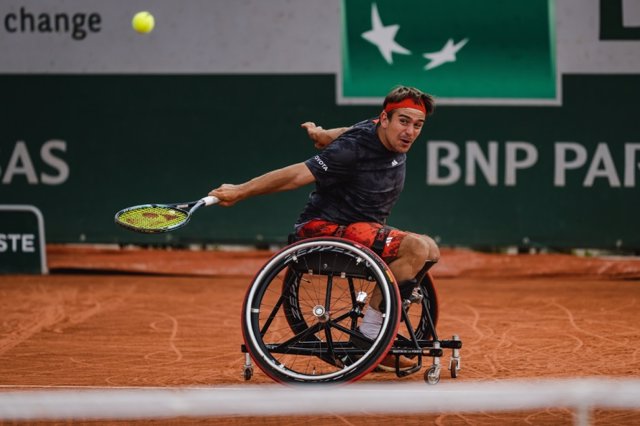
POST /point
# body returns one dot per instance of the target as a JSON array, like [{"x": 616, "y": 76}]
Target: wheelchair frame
[{"x": 302, "y": 311}]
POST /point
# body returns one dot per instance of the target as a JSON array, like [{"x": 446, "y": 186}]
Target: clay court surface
[{"x": 153, "y": 318}]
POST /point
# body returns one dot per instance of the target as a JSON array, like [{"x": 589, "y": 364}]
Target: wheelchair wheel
[
  {"x": 418, "y": 311},
  {"x": 302, "y": 311}
]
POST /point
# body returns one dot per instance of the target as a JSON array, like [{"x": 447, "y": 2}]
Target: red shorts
[{"x": 364, "y": 233}]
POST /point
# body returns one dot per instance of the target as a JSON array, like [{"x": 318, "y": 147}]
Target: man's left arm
[{"x": 322, "y": 137}]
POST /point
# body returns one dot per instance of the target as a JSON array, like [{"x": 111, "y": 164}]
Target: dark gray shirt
[{"x": 357, "y": 178}]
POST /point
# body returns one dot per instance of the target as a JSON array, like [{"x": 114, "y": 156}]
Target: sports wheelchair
[{"x": 301, "y": 316}]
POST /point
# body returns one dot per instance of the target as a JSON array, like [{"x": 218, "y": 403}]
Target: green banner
[
  {"x": 458, "y": 49},
  {"x": 83, "y": 147}
]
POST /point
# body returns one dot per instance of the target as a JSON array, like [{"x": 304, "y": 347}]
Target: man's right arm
[{"x": 285, "y": 179}]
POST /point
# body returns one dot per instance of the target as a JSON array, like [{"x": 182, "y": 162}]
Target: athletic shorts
[{"x": 365, "y": 233}]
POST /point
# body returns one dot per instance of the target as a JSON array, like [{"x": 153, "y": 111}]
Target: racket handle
[{"x": 210, "y": 200}]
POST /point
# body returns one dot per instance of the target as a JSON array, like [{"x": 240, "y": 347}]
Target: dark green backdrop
[{"x": 137, "y": 139}]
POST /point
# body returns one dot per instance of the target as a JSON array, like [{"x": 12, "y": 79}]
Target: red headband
[{"x": 406, "y": 103}]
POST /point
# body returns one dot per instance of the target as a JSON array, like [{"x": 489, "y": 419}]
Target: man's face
[{"x": 400, "y": 131}]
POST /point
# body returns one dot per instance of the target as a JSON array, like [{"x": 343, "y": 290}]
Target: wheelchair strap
[
  {"x": 380, "y": 240},
  {"x": 340, "y": 231}
]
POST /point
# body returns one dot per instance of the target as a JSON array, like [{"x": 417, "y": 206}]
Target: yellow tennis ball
[{"x": 143, "y": 22}]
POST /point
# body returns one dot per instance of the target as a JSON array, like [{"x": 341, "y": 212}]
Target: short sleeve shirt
[{"x": 357, "y": 178}]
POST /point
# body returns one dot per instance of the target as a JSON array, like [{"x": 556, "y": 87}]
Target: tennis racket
[{"x": 157, "y": 218}]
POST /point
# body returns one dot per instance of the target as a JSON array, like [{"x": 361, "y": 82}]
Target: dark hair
[{"x": 400, "y": 93}]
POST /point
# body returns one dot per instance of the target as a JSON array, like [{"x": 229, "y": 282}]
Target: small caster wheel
[
  {"x": 432, "y": 375},
  {"x": 454, "y": 367},
  {"x": 248, "y": 373}
]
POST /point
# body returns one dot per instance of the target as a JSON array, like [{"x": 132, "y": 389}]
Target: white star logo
[
  {"x": 446, "y": 54},
  {"x": 383, "y": 36}
]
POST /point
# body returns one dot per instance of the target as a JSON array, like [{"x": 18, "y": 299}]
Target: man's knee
[
  {"x": 434, "y": 250},
  {"x": 421, "y": 247}
]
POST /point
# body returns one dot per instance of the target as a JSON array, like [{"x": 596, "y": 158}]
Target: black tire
[
  {"x": 418, "y": 312},
  {"x": 430, "y": 303},
  {"x": 300, "y": 315}
]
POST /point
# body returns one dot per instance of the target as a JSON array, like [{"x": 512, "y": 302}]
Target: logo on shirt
[
  {"x": 322, "y": 164},
  {"x": 394, "y": 163}
]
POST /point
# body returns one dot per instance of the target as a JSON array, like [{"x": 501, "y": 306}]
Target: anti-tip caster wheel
[
  {"x": 454, "y": 367},
  {"x": 248, "y": 373},
  {"x": 432, "y": 375}
]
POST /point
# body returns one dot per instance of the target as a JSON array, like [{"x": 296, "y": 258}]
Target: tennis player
[{"x": 358, "y": 175}]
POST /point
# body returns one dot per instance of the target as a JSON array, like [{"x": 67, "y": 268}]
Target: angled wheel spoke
[
  {"x": 341, "y": 317},
  {"x": 276, "y": 307},
  {"x": 311, "y": 330},
  {"x": 327, "y": 332},
  {"x": 272, "y": 315},
  {"x": 351, "y": 333}
]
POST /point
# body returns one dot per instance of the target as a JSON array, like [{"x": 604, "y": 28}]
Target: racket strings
[{"x": 152, "y": 217}]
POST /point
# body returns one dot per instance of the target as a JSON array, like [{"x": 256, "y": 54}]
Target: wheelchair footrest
[
  {"x": 445, "y": 344},
  {"x": 413, "y": 351},
  {"x": 451, "y": 344}
]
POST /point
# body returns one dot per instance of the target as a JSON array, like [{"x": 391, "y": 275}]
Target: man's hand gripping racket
[{"x": 156, "y": 218}]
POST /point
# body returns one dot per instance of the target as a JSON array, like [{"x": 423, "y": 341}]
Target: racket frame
[{"x": 187, "y": 208}]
